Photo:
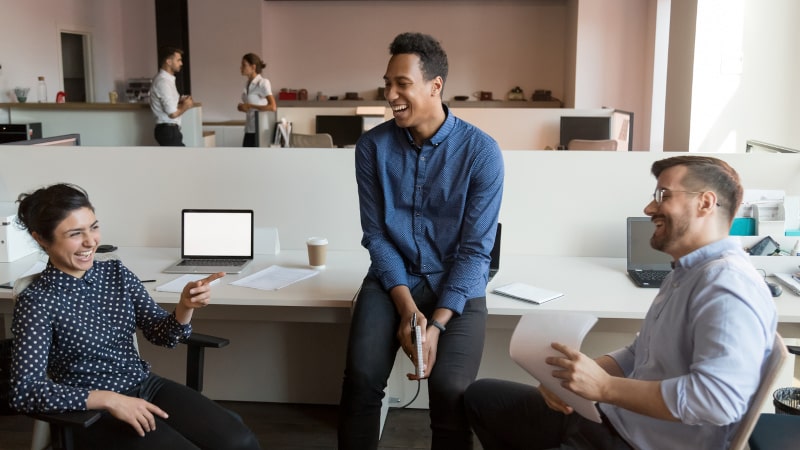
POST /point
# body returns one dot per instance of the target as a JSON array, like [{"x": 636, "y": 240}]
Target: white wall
[
  {"x": 745, "y": 74},
  {"x": 342, "y": 46},
  {"x": 220, "y": 33},
  {"x": 612, "y": 54},
  {"x": 30, "y": 42}
]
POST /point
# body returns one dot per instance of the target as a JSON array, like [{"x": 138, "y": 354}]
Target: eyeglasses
[{"x": 660, "y": 194}]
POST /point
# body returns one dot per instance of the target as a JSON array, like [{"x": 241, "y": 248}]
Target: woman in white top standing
[{"x": 257, "y": 96}]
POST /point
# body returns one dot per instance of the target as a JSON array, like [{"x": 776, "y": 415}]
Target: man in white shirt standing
[{"x": 167, "y": 105}]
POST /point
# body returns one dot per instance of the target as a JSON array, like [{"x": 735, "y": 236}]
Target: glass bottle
[{"x": 41, "y": 90}]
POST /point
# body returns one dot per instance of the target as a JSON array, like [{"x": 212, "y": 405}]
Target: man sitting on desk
[{"x": 689, "y": 376}]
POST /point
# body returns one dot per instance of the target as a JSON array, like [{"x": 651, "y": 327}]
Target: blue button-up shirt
[
  {"x": 430, "y": 213},
  {"x": 707, "y": 335},
  {"x": 80, "y": 332}
]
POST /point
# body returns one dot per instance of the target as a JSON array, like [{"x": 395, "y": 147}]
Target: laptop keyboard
[
  {"x": 652, "y": 275},
  {"x": 212, "y": 262},
  {"x": 649, "y": 278}
]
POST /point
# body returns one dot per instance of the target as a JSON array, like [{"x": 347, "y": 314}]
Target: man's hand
[
  {"x": 554, "y": 402},
  {"x": 579, "y": 373}
]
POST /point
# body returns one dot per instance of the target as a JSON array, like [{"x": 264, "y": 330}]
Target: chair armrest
[
  {"x": 197, "y": 344},
  {"x": 793, "y": 349},
  {"x": 82, "y": 419},
  {"x": 205, "y": 340}
]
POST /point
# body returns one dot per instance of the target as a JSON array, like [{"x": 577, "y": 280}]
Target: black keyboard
[
  {"x": 212, "y": 262},
  {"x": 649, "y": 278}
]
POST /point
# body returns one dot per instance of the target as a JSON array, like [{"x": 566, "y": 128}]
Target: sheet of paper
[
  {"x": 526, "y": 292},
  {"x": 530, "y": 345},
  {"x": 275, "y": 277},
  {"x": 179, "y": 283}
]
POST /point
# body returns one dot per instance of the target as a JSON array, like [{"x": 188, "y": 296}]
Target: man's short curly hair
[{"x": 433, "y": 59}]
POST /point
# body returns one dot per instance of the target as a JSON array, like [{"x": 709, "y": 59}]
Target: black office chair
[
  {"x": 778, "y": 431},
  {"x": 63, "y": 425}
]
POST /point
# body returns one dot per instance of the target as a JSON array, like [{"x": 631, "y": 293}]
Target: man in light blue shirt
[
  {"x": 429, "y": 187},
  {"x": 688, "y": 378}
]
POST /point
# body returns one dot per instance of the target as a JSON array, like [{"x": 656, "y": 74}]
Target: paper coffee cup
[{"x": 317, "y": 252}]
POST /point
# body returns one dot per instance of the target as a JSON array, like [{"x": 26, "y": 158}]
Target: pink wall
[{"x": 342, "y": 46}]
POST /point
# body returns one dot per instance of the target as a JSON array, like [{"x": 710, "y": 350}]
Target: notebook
[
  {"x": 647, "y": 266},
  {"x": 215, "y": 240},
  {"x": 494, "y": 262}
]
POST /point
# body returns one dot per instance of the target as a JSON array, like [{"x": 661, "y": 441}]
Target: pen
[{"x": 148, "y": 281}]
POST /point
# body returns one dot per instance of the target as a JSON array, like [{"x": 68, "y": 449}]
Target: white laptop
[
  {"x": 647, "y": 266},
  {"x": 215, "y": 240}
]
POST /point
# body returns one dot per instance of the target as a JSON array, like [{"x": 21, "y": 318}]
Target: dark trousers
[
  {"x": 371, "y": 351},
  {"x": 168, "y": 135},
  {"x": 508, "y": 416},
  {"x": 195, "y": 422},
  {"x": 249, "y": 140}
]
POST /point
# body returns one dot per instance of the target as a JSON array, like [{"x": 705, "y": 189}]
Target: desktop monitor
[
  {"x": 584, "y": 127},
  {"x": 345, "y": 130},
  {"x": 64, "y": 140}
]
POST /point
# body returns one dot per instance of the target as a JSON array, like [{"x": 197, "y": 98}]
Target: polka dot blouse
[{"x": 72, "y": 336}]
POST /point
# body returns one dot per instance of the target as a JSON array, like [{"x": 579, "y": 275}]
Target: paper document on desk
[
  {"x": 275, "y": 277},
  {"x": 179, "y": 283},
  {"x": 526, "y": 292},
  {"x": 530, "y": 345}
]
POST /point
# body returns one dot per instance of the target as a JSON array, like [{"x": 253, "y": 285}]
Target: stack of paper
[
  {"x": 526, "y": 292},
  {"x": 530, "y": 345}
]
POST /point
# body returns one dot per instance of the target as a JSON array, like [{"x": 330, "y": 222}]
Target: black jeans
[
  {"x": 195, "y": 422},
  {"x": 508, "y": 416},
  {"x": 371, "y": 353},
  {"x": 168, "y": 135},
  {"x": 249, "y": 140}
]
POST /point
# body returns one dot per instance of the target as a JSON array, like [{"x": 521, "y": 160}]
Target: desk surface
[
  {"x": 333, "y": 287},
  {"x": 599, "y": 286}
]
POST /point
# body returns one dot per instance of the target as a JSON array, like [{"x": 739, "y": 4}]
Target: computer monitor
[
  {"x": 64, "y": 140},
  {"x": 584, "y": 127},
  {"x": 345, "y": 130}
]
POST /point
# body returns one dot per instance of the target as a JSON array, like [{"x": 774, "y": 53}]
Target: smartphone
[{"x": 416, "y": 337}]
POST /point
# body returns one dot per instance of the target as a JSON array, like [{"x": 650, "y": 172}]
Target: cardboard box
[{"x": 15, "y": 243}]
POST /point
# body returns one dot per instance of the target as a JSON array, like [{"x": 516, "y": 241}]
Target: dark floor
[{"x": 279, "y": 427}]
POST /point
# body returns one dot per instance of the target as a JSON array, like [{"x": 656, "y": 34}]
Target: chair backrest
[
  {"x": 319, "y": 140},
  {"x": 774, "y": 364},
  {"x": 588, "y": 144}
]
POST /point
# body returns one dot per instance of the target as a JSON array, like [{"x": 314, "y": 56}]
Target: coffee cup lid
[{"x": 317, "y": 241}]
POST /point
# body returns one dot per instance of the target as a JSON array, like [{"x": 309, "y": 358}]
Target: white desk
[{"x": 289, "y": 345}]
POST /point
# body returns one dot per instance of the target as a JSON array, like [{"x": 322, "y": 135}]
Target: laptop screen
[
  {"x": 217, "y": 233},
  {"x": 640, "y": 254}
]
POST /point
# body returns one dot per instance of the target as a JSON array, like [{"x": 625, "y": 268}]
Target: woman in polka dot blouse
[{"x": 74, "y": 340}]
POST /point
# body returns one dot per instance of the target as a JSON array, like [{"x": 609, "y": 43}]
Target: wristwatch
[{"x": 434, "y": 323}]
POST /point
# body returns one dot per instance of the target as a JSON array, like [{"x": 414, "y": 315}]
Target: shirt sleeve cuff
[{"x": 624, "y": 359}]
